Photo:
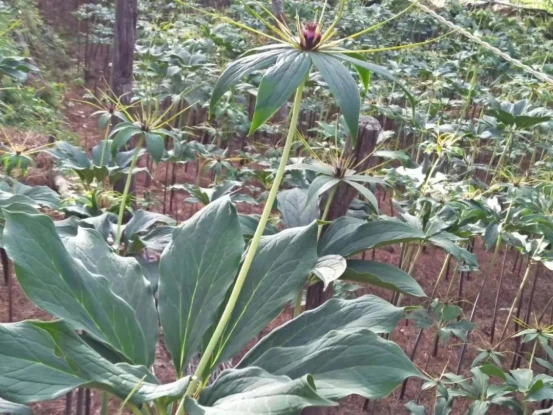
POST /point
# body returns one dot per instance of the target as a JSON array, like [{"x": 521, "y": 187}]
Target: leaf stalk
[{"x": 126, "y": 192}]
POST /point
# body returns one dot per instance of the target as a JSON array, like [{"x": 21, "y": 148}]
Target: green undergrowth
[{"x": 35, "y": 103}]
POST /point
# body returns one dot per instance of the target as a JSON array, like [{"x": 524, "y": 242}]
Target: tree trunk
[
  {"x": 122, "y": 57},
  {"x": 278, "y": 9}
]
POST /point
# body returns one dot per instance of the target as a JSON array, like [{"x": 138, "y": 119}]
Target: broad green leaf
[
  {"x": 106, "y": 224},
  {"x": 344, "y": 362},
  {"x": 126, "y": 280},
  {"x": 62, "y": 286},
  {"x": 364, "y": 73},
  {"x": 142, "y": 221},
  {"x": 402, "y": 156},
  {"x": 366, "y": 193},
  {"x": 528, "y": 121},
  {"x": 362, "y": 178},
  {"x": 492, "y": 370},
  {"x": 71, "y": 157},
  {"x": 41, "y": 195},
  {"x": 121, "y": 379},
  {"x": 460, "y": 254},
  {"x": 7, "y": 407},
  {"x": 150, "y": 270},
  {"x": 295, "y": 211},
  {"x": 415, "y": 409},
  {"x": 196, "y": 270},
  {"x": 30, "y": 370},
  {"x": 368, "y": 312},
  {"x": 121, "y": 137},
  {"x": 281, "y": 267},
  {"x": 324, "y": 169},
  {"x": 382, "y": 275},
  {"x": 347, "y": 236},
  {"x": 155, "y": 146},
  {"x": 239, "y": 69},
  {"x": 103, "y": 120},
  {"x": 207, "y": 195},
  {"x": 379, "y": 70},
  {"x": 156, "y": 240},
  {"x": 254, "y": 391},
  {"x": 248, "y": 224},
  {"x": 329, "y": 268},
  {"x": 7, "y": 199},
  {"x": 544, "y": 363},
  {"x": 97, "y": 151},
  {"x": 320, "y": 185},
  {"x": 343, "y": 88},
  {"x": 491, "y": 235},
  {"x": 278, "y": 84},
  {"x": 458, "y": 328}
]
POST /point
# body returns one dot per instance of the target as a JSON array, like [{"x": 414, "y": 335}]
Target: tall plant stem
[
  {"x": 506, "y": 150},
  {"x": 104, "y": 146},
  {"x": 221, "y": 325},
  {"x": 522, "y": 285},
  {"x": 441, "y": 276},
  {"x": 161, "y": 409},
  {"x": 410, "y": 271},
  {"x": 497, "y": 294},
  {"x": 476, "y": 301},
  {"x": 297, "y": 303},
  {"x": 420, "y": 333},
  {"x": 518, "y": 355},
  {"x": 326, "y": 209},
  {"x": 105, "y": 402},
  {"x": 126, "y": 191}
]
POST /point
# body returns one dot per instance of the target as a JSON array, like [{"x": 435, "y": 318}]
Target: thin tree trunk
[
  {"x": 8, "y": 281},
  {"x": 122, "y": 57},
  {"x": 278, "y": 9}
]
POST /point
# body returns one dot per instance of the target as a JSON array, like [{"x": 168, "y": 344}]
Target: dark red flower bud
[{"x": 311, "y": 36}]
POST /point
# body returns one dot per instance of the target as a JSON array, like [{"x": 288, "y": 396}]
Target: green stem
[
  {"x": 520, "y": 288},
  {"x": 135, "y": 410},
  {"x": 430, "y": 173},
  {"x": 326, "y": 209},
  {"x": 105, "y": 400},
  {"x": 126, "y": 191},
  {"x": 440, "y": 276},
  {"x": 410, "y": 271},
  {"x": 297, "y": 305},
  {"x": 502, "y": 157},
  {"x": 146, "y": 410},
  {"x": 105, "y": 145},
  {"x": 221, "y": 325},
  {"x": 161, "y": 408},
  {"x": 533, "y": 354}
]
